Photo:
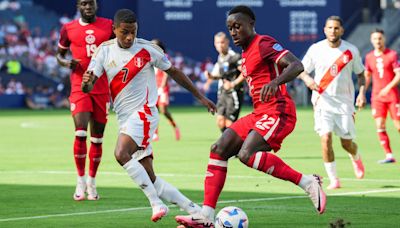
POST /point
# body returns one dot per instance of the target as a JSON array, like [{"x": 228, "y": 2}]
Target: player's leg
[
  {"x": 220, "y": 120},
  {"x": 98, "y": 122},
  {"x": 324, "y": 124},
  {"x": 168, "y": 192},
  {"x": 267, "y": 136},
  {"x": 132, "y": 146},
  {"x": 165, "y": 111},
  {"x": 345, "y": 129},
  {"x": 379, "y": 112},
  {"x": 227, "y": 146},
  {"x": 221, "y": 110},
  {"x": 81, "y": 108}
]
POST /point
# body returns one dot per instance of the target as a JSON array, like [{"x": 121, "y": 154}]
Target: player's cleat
[
  {"x": 80, "y": 190},
  {"x": 358, "y": 168},
  {"x": 316, "y": 194},
  {"x": 177, "y": 134},
  {"x": 387, "y": 160},
  {"x": 155, "y": 137},
  {"x": 194, "y": 221},
  {"x": 335, "y": 184},
  {"x": 159, "y": 211},
  {"x": 92, "y": 192}
]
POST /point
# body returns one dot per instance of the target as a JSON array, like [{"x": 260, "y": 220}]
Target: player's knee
[
  {"x": 121, "y": 156},
  {"x": 219, "y": 149},
  {"x": 347, "y": 144},
  {"x": 244, "y": 155},
  {"x": 325, "y": 139}
]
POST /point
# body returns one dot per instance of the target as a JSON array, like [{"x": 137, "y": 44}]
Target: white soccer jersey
[
  {"x": 333, "y": 73},
  {"x": 130, "y": 74}
]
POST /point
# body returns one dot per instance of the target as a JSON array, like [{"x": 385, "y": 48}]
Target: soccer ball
[{"x": 231, "y": 217}]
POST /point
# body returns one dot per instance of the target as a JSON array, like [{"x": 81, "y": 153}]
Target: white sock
[
  {"x": 91, "y": 180},
  {"x": 82, "y": 179},
  {"x": 389, "y": 156},
  {"x": 171, "y": 194},
  {"x": 208, "y": 212},
  {"x": 139, "y": 175},
  {"x": 305, "y": 181},
  {"x": 330, "y": 168}
]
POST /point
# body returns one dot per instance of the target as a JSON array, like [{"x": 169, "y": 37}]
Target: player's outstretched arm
[
  {"x": 186, "y": 83},
  {"x": 292, "y": 67},
  {"x": 88, "y": 80}
]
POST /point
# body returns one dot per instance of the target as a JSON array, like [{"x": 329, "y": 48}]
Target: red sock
[
  {"x": 80, "y": 150},
  {"x": 215, "y": 179},
  {"x": 95, "y": 153},
  {"x": 385, "y": 142},
  {"x": 273, "y": 165}
]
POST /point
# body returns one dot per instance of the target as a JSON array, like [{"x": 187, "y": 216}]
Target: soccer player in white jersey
[
  {"x": 129, "y": 64},
  {"x": 333, "y": 60}
]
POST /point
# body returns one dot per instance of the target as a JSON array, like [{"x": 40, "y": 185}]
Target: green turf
[{"x": 37, "y": 176}]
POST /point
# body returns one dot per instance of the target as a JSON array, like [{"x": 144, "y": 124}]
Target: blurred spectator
[
  {"x": 14, "y": 87},
  {"x": 40, "y": 98},
  {"x": 64, "y": 19}
]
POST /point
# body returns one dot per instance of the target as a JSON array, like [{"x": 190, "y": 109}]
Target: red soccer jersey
[
  {"x": 259, "y": 67},
  {"x": 382, "y": 69},
  {"x": 83, "y": 39}
]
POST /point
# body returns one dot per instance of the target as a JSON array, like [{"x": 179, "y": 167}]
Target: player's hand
[
  {"x": 268, "y": 91},
  {"x": 87, "y": 81},
  {"x": 209, "y": 104},
  {"x": 311, "y": 84},
  {"x": 384, "y": 92},
  {"x": 361, "y": 101},
  {"x": 228, "y": 85},
  {"x": 73, "y": 63}
]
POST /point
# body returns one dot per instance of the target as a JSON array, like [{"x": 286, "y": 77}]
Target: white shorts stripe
[
  {"x": 81, "y": 133},
  {"x": 257, "y": 160},
  {"x": 218, "y": 162},
  {"x": 266, "y": 137}
]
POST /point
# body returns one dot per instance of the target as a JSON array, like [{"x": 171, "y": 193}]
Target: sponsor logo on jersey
[
  {"x": 277, "y": 47},
  {"x": 90, "y": 39},
  {"x": 89, "y": 31}
]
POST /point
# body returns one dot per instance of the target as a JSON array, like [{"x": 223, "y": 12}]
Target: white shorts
[
  {"x": 341, "y": 124},
  {"x": 140, "y": 126}
]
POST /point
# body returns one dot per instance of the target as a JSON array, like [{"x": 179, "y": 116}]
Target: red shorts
[
  {"x": 163, "y": 97},
  {"x": 380, "y": 109},
  {"x": 273, "y": 126},
  {"x": 97, "y": 104}
]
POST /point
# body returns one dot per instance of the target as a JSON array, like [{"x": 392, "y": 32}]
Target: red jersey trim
[
  {"x": 134, "y": 66},
  {"x": 281, "y": 55},
  {"x": 334, "y": 70},
  {"x": 60, "y": 46}
]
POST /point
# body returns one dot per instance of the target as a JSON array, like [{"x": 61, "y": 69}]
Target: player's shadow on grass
[{"x": 127, "y": 207}]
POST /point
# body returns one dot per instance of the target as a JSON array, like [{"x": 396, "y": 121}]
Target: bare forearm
[
  {"x": 361, "y": 82},
  {"x": 61, "y": 60},
  {"x": 290, "y": 73},
  {"x": 183, "y": 81}
]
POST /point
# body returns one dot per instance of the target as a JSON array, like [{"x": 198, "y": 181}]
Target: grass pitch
[{"x": 37, "y": 176}]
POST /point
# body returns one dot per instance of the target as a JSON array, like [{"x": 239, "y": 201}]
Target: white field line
[
  {"x": 219, "y": 202},
  {"x": 174, "y": 175}
]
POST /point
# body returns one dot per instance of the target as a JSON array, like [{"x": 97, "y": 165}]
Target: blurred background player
[
  {"x": 333, "y": 61},
  {"x": 230, "y": 86},
  {"x": 81, "y": 37},
  {"x": 163, "y": 96},
  {"x": 382, "y": 66},
  {"x": 253, "y": 137},
  {"x": 129, "y": 64}
]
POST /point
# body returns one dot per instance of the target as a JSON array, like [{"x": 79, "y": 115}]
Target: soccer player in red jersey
[
  {"x": 253, "y": 137},
  {"x": 82, "y": 36},
  {"x": 383, "y": 68},
  {"x": 163, "y": 96}
]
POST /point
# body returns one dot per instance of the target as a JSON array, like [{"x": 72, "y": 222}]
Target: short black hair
[
  {"x": 243, "y": 9},
  {"x": 124, "y": 16},
  {"x": 378, "y": 30},
  {"x": 159, "y": 43},
  {"x": 335, "y": 18}
]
